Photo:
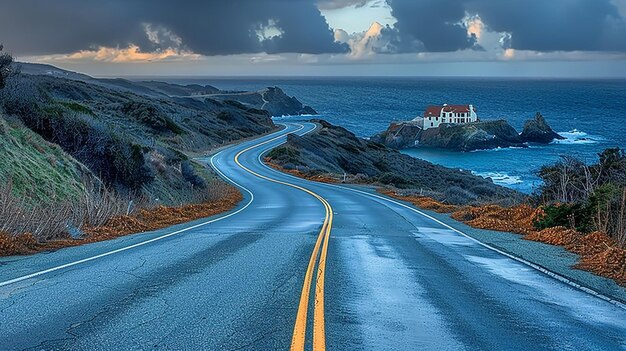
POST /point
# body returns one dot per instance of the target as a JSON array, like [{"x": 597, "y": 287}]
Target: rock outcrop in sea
[
  {"x": 537, "y": 130},
  {"x": 466, "y": 137}
]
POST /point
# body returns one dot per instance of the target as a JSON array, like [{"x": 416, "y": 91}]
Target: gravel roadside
[{"x": 553, "y": 258}]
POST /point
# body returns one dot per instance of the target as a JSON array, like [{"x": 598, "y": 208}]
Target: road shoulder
[{"x": 553, "y": 258}]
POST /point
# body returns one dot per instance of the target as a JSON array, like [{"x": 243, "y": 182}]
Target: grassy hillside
[
  {"x": 37, "y": 170},
  {"x": 336, "y": 151},
  {"x": 135, "y": 144},
  {"x": 77, "y": 154}
]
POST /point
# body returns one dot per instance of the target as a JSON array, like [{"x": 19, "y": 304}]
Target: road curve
[{"x": 394, "y": 280}]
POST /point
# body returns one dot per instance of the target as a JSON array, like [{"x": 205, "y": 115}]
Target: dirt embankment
[
  {"x": 145, "y": 220},
  {"x": 598, "y": 253}
]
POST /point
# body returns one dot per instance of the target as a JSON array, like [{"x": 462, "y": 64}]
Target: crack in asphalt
[
  {"x": 166, "y": 276},
  {"x": 256, "y": 340}
]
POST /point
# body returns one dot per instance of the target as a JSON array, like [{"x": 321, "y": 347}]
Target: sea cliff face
[
  {"x": 466, "y": 137},
  {"x": 472, "y": 136},
  {"x": 537, "y": 130},
  {"x": 272, "y": 99},
  {"x": 399, "y": 135}
]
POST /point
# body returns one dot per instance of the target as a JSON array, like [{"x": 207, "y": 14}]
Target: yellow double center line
[{"x": 299, "y": 330}]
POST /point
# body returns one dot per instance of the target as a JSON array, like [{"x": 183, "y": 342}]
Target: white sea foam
[
  {"x": 500, "y": 178},
  {"x": 293, "y": 116},
  {"x": 576, "y": 136},
  {"x": 499, "y": 149}
]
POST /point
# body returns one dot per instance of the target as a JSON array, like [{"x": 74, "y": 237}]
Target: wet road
[{"x": 394, "y": 280}]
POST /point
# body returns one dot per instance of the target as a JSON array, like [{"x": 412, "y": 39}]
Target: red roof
[{"x": 434, "y": 111}]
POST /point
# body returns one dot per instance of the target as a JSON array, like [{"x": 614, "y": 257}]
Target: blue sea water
[{"x": 591, "y": 114}]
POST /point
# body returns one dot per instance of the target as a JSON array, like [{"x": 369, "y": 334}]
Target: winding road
[{"x": 298, "y": 265}]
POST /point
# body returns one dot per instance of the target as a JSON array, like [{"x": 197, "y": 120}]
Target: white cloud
[
  {"x": 162, "y": 36},
  {"x": 132, "y": 53},
  {"x": 268, "y": 30},
  {"x": 366, "y": 44},
  {"x": 266, "y": 58},
  {"x": 169, "y": 47}
]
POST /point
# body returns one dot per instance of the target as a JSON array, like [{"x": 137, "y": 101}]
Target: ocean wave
[
  {"x": 500, "y": 178},
  {"x": 576, "y": 136},
  {"x": 293, "y": 116},
  {"x": 499, "y": 149}
]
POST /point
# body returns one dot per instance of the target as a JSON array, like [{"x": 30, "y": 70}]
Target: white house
[{"x": 436, "y": 115}]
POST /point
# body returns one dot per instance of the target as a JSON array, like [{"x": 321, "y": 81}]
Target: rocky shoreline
[{"x": 488, "y": 134}]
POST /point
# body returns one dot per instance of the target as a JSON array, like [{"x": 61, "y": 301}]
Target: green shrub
[
  {"x": 394, "y": 179},
  {"x": 285, "y": 155},
  {"x": 151, "y": 116},
  {"x": 76, "y": 107},
  {"x": 574, "y": 216}
]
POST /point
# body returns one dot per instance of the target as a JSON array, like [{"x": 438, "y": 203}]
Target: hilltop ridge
[{"x": 272, "y": 99}]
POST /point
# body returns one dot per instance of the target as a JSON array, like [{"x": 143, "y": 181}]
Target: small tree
[{"x": 6, "y": 62}]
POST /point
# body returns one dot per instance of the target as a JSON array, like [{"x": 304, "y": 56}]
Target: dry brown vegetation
[
  {"x": 598, "y": 252},
  {"x": 99, "y": 216},
  {"x": 424, "y": 202},
  {"x": 322, "y": 178}
]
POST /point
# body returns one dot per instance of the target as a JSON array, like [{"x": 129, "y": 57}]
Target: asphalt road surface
[{"x": 298, "y": 264}]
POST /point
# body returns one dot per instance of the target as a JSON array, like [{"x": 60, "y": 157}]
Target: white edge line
[
  {"x": 57, "y": 268},
  {"x": 537, "y": 267}
]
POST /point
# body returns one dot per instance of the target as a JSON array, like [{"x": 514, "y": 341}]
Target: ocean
[{"x": 591, "y": 114}]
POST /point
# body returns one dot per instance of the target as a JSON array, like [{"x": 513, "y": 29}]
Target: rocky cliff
[
  {"x": 272, "y": 99},
  {"x": 400, "y": 135},
  {"x": 537, "y": 130},
  {"x": 472, "y": 136},
  {"x": 466, "y": 137}
]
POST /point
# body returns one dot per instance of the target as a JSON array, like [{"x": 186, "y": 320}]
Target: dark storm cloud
[
  {"x": 434, "y": 23},
  {"x": 29, "y": 27},
  {"x": 540, "y": 25},
  {"x": 218, "y": 27},
  {"x": 567, "y": 25},
  {"x": 339, "y": 4}
]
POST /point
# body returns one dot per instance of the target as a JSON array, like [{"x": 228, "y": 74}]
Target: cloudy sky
[{"x": 546, "y": 38}]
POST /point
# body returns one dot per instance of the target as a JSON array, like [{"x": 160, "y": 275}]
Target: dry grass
[
  {"x": 559, "y": 236},
  {"x": 517, "y": 219},
  {"x": 17, "y": 244},
  {"x": 18, "y": 216},
  {"x": 162, "y": 217},
  {"x": 424, "y": 202},
  {"x": 111, "y": 220},
  {"x": 322, "y": 178}
]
